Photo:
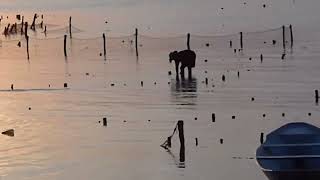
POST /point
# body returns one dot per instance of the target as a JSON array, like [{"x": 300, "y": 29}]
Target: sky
[{"x": 178, "y": 16}]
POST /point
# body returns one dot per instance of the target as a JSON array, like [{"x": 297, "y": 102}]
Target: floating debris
[{"x": 9, "y": 132}]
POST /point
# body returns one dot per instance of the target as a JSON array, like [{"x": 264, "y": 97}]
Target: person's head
[{"x": 173, "y": 56}]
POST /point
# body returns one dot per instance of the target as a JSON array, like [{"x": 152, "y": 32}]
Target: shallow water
[{"x": 60, "y": 137}]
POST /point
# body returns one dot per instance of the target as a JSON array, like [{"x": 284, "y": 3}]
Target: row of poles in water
[
  {"x": 188, "y": 40},
  {"x": 284, "y": 41}
]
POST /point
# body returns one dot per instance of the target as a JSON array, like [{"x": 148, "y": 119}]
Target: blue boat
[{"x": 291, "y": 152}]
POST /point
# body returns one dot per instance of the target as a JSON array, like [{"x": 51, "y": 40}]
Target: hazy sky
[{"x": 207, "y": 16}]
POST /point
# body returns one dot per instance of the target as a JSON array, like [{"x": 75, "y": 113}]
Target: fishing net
[
  {"x": 63, "y": 30},
  {"x": 91, "y": 48}
]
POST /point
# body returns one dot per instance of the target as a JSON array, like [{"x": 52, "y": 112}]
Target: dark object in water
[
  {"x": 141, "y": 83},
  {"x": 65, "y": 85},
  {"x": 233, "y": 117},
  {"x": 195, "y": 118},
  {"x": 283, "y": 114},
  {"x": 221, "y": 141},
  {"x": 274, "y": 42},
  {"x": 12, "y": 87},
  {"x": 213, "y": 117},
  {"x": 283, "y": 56},
  {"x": 187, "y": 58},
  {"x": 29, "y": 108},
  {"x": 207, "y": 44},
  {"x": 252, "y": 99},
  {"x": 19, "y": 44},
  {"x": 9, "y": 132},
  {"x": 317, "y": 95},
  {"x": 206, "y": 60},
  {"x": 291, "y": 153},
  {"x": 261, "y": 138},
  {"x": 169, "y": 73},
  {"x": 112, "y": 84},
  {"x": 104, "y": 121},
  {"x": 223, "y": 78}
]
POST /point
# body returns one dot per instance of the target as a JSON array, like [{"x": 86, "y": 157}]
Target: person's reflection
[{"x": 184, "y": 91}]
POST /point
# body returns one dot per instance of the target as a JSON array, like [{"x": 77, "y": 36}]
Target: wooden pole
[
  {"x": 27, "y": 38},
  {"x": 188, "y": 41},
  {"x": 213, "y": 117},
  {"x": 26, "y": 29},
  {"x": 261, "y": 138},
  {"x": 241, "y": 40},
  {"x": 181, "y": 138},
  {"x": 70, "y": 31},
  {"x": 136, "y": 42},
  {"x": 284, "y": 37},
  {"x": 104, "y": 121},
  {"x": 291, "y": 36},
  {"x": 65, "y": 45},
  {"x": 33, "y": 25},
  {"x": 104, "y": 45}
]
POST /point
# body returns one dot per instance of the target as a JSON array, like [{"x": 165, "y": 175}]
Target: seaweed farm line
[{"x": 117, "y": 110}]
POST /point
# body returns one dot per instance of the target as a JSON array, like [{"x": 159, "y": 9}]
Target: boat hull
[{"x": 293, "y": 175}]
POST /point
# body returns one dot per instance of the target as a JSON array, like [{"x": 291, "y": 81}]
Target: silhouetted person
[
  {"x": 12, "y": 87},
  {"x": 187, "y": 58}
]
